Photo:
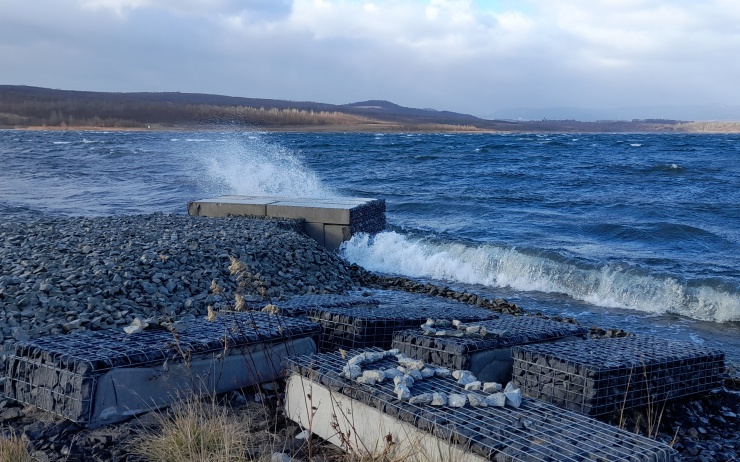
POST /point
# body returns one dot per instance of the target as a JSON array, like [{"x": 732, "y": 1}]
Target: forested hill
[{"x": 24, "y": 106}]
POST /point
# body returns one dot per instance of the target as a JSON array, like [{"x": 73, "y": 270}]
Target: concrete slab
[
  {"x": 325, "y": 213},
  {"x": 334, "y": 235},
  {"x": 346, "y": 215},
  {"x": 315, "y": 231},
  {"x": 368, "y": 430},
  {"x": 230, "y": 206},
  {"x": 125, "y": 392}
]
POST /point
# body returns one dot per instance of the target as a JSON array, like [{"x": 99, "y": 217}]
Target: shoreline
[
  {"x": 60, "y": 275},
  {"x": 700, "y": 128}
]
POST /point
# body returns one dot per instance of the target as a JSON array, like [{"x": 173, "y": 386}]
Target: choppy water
[{"x": 634, "y": 231}]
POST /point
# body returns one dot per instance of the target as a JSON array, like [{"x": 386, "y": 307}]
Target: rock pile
[
  {"x": 68, "y": 274},
  {"x": 410, "y": 371}
]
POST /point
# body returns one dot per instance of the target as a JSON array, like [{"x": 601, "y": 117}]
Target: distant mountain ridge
[
  {"x": 28, "y": 107},
  {"x": 378, "y": 109}
]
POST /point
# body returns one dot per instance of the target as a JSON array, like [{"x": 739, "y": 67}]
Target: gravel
[{"x": 59, "y": 275}]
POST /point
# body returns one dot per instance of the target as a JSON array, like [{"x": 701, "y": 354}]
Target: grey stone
[
  {"x": 424, "y": 398},
  {"x": 456, "y": 400},
  {"x": 439, "y": 399}
]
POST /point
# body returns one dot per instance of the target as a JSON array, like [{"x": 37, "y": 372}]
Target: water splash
[
  {"x": 250, "y": 165},
  {"x": 617, "y": 286}
]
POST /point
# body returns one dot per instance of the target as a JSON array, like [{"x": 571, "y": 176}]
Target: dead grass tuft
[
  {"x": 14, "y": 449},
  {"x": 196, "y": 430}
]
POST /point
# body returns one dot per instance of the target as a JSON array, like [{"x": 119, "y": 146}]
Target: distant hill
[
  {"x": 706, "y": 112},
  {"x": 25, "y": 106}
]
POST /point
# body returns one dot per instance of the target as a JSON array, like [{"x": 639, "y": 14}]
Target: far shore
[{"x": 707, "y": 127}]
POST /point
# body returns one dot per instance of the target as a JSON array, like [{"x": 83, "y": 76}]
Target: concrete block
[
  {"x": 230, "y": 205},
  {"x": 315, "y": 231},
  {"x": 331, "y": 415},
  {"x": 319, "y": 213},
  {"x": 334, "y": 235}
]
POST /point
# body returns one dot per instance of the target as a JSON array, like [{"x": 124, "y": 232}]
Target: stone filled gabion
[
  {"x": 59, "y": 275},
  {"x": 596, "y": 377},
  {"x": 368, "y": 218},
  {"x": 299, "y": 304},
  {"x": 59, "y": 374},
  {"x": 493, "y": 429},
  {"x": 374, "y": 326},
  {"x": 453, "y": 343}
]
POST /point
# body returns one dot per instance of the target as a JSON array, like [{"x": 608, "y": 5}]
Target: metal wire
[
  {"x": 507, "y": 331},
  {"x": 601, "y": 376},
  {"x": 59, "y": 374},
  {"x": 359, "y": 327},
  {"x": 536, "y": 431}
]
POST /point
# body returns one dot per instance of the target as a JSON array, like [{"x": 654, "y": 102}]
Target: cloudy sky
[{"x": 474, "y": 56}]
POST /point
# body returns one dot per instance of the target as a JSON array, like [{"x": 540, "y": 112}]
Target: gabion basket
[
  {"x": 536, "y": 431},
  {"x": 481, "y": 354},
  {"x": 59, "y": 374},
  {"x": 359, "y": 327},
  {"x": 601, "y": 376}
]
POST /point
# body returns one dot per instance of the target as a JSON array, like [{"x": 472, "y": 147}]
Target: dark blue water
[{"x": 635, "y": 231}]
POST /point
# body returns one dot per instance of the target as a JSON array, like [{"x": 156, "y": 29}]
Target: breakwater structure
[{"x": 328, "y": 221}]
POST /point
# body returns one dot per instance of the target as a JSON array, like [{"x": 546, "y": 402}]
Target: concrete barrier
[{"x": 328, "y": 221}]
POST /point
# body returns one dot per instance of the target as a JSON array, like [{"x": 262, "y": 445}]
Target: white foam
[
  {"x": 499, "y": 266},
  {"x": 250, "y": 165}
]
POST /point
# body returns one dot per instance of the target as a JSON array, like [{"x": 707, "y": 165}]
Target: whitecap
[{"x": 614, "y": 286}]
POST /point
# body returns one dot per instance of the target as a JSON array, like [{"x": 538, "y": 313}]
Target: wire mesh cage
[
  {"x": 534, "y": 431},
  {"x": 359, "y": 327},
  {"x": 368, "y": 218},
  {"x": 483, "y": 347},
  {"x": 300, "y": 304},
  {"x": 601, "y": 376},
  {"x": 59, "y": 374}
]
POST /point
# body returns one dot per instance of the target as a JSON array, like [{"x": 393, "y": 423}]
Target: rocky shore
[{"x": 59, "y": 275}]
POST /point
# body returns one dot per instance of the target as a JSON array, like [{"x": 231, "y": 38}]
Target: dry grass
[
  {"x": 14, "y": 449},
  {"x": 196, "y": 430}
]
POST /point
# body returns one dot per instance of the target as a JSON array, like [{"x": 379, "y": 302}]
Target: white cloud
[{"x": 450, "y": 54}]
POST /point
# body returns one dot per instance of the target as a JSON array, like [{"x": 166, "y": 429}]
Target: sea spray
[
  {"x": 250, "y": 165},
  {"x": 611, "y": 285}
]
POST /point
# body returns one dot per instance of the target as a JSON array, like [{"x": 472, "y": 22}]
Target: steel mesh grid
[
  {"x": 102, "y": 350},
  {"x": 61, "y": 392},
  {"x": 456, "y": 351},
  {"x": 59, "y": 374},
  {"x": 601, "y": 376},
  {"x": 536, "y": 431},
  {"x": 360, "y": 327},
  {"x": 300, "y": 304}
]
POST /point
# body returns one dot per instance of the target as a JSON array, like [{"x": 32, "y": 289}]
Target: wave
[
  {"x": 252, "y": 166},
  {"x": 617, "y": 286}
]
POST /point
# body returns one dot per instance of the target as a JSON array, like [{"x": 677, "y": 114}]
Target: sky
[{"x": 478, "y": 57}]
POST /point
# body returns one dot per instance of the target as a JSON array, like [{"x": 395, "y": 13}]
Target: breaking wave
[
  {"x": 618, "y": 286},
  {"x": 252, "y": 166}
]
